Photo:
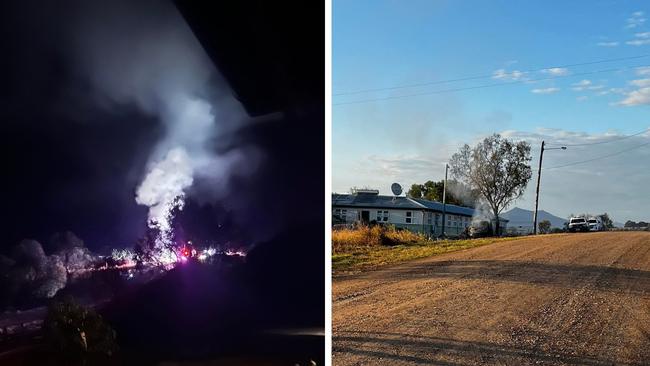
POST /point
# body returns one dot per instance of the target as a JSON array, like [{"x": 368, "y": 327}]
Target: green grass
[{"x": 370, "y": 257}]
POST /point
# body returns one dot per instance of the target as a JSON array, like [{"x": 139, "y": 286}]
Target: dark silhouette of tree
[
  {"x": 544, "y": 227},
  {"x": 607, "y": 221},
  {"x": 457, "y": 193}
]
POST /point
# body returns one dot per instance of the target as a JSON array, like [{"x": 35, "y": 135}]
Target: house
[{"x": 414, "y": 214}]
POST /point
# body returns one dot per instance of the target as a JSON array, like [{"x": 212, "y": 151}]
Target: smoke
[
  {"x": 144, "y": 54},
  {"x": 463, "y": 193},
  {"x": 163, "y": 189},
  {"x": 30, "y": 269}
]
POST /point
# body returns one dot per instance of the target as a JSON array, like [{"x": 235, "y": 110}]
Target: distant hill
[{"x": 520, "y": 217}]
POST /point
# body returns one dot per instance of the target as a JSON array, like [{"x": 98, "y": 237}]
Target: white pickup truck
[
  {"x": 578, "y": 224},
  {"x": 596, "y": 224}
]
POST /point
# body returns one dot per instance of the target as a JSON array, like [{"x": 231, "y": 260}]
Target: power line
[
  {"x": 477, "y": 77},
  {"x": 486, "y": 86},
  {"x": 597, "y": 158},
  {"x": 603, "y": 142}
]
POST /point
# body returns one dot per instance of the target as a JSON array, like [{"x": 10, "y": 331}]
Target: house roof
[
  {"x": 453, "y": 209},
  {"x": 374, "y": 201},
  {"x": 404, "y": 203}
]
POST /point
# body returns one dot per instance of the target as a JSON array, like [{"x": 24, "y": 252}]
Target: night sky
[{"x": 73, "y": 161}]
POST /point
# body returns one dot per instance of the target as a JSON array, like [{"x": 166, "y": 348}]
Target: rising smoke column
[
  {"x": 190, "y": 125},
  {"x": 143, "y": 54},
  {"x": 163, "y": 190}
]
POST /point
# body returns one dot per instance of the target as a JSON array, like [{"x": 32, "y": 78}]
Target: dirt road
[{"x": 579, "y": 299}]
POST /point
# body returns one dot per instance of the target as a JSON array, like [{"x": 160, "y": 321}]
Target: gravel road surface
[{"x": 575, "y": 299}]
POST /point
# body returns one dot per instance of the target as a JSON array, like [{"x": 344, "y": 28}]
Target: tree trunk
[{"x": 497, "y": 225}]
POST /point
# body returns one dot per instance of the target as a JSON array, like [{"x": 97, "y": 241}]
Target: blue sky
[{"x": 383, "y": 44}]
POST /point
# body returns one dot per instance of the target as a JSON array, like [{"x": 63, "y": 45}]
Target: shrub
[
  {"x": 76, "y": 332},
  {"x": 346, "y": 240}
]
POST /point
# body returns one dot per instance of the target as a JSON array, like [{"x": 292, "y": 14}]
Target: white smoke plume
[
  {"x": 163, "y": 189},
  {"x": 145, "y": 55}
]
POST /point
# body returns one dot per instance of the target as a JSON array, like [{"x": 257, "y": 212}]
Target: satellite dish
[{"x": 396, "y": 188}]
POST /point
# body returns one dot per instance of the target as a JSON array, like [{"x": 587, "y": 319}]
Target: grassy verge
[{"x": 348, "y": 258}]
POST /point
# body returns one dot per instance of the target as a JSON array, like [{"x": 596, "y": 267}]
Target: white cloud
[
  {"x": 642, "y": 35},
  {"x": 638, "y": 42},
  {"x": 556, "y": 71},
  {"x": 641, "y": 82},
  {"x": 617, "y": 90},
  {"x": 581, "y": 85},
  {"x": 502, "y": 74},
  {"x": 607, "y": 44},
  {"x": 545, "y": 90},
  {"x": 637, "y": 97},
  {"x": 586, "y": 85},
  {"x": 636, "y": 20},
  {"x": 643, "y": 70}
]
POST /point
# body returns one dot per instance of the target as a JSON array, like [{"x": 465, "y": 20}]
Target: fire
[{"x": 170, "y": 257}]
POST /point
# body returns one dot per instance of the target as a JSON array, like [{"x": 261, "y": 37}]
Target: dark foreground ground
[
  {"x": 577, "y": 299},
  {"x": 266, "y": 310}
]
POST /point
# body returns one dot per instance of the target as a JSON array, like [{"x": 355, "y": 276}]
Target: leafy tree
[
  {"x": 607, "y": 221},
  {"x": 78, "y": 333},
  {"x": 630, "y": 223},
  {"x": 544, "y": 227},
  {"x": 497, "y": 168},
  {"x": 415, "y": 191},
  {"x": 457, "y": 193}
]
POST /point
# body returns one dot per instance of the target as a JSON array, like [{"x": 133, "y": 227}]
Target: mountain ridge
[{"x": 521, "y": 217}]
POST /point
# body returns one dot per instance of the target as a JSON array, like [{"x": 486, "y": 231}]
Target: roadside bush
[
  {"x": 398, "y": 237},
  {"x": 79, "y": 334},
  {"x": 362, "y": 236},
  {"x": 346, "y": 240}
]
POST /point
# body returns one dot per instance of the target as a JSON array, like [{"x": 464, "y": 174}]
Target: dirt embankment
[{"x": 581, "y": 299}]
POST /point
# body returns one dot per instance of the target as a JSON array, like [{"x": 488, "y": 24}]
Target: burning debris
[
  {"x": 30, "y": 273},
  {"x": 125, "y": 258}
]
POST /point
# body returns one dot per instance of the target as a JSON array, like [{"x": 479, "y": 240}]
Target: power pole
[
  {"x": 539, "y": 176},
  {"x": 444, "y": 200}
]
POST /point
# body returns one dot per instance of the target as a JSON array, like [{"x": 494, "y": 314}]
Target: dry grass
[
  {"x": 347, "y": 240},
  {"x": 370, "y": 247}
]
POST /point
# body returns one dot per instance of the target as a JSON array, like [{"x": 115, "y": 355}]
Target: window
[
  {"x": 437, "y": 219},
  {"x": 408, "y": 217},
  {"x": 340, "y": 214},
  {"x": 430, "y": 218},
  {"x": 382, "y": 216}
]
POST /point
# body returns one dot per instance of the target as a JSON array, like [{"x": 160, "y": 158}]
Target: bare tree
[{"x": 497, "y": 167}]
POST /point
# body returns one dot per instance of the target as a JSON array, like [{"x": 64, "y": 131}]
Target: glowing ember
[{"x": 169, "y": 257}]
